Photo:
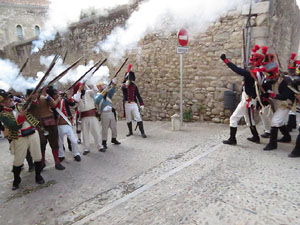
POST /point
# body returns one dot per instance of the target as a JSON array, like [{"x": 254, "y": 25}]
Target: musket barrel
[
  {"x": 89, "y": 70},
  {"x": 116, "y": 74},
  {"x": 52, "y": 64},
  {"x": 58, "y": 77}
]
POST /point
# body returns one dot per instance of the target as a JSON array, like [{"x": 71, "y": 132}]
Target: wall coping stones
[{"x": 257, "y": 8}]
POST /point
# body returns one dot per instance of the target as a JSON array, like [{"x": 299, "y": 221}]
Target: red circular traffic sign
[{"x": 182, "y": 37}]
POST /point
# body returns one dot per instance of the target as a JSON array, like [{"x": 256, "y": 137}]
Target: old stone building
[
  {"x": 21, "y": 19},
  {"x": 274, "y": 23}
]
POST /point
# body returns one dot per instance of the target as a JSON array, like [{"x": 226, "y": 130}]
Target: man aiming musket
[
  {"x": 86, "y": 106},
  {"x": 48, "y": 125},
  {"x": 104, "y": 103}
]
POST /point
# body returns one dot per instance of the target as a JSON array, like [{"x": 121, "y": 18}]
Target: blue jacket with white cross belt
[{"x": 248, "y": 79}]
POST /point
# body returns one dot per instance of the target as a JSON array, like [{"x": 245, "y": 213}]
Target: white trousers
[
  {"x": 265, "y": 116},
  {"x": 108, "y": 120},
  {"x": 279, "y": 117},
  {"x": 66, "y": 130},
  {"x": 19, "y": 148},
  {"x": 132, "y": 112},
  {"x": 241, "y": 111},
  {"x": 90, "y": 125}
]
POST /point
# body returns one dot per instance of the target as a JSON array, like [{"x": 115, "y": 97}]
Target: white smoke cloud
[
  {"x": 102, "y": 74},
  {"x": 165, "y": 17},
  {"x": 10, "y": 78},
  {"x": 64, "y": 12}
]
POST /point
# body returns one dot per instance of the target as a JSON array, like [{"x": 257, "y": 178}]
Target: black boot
[
  {"x": 296, "y": 151},
  {"x": 69, "y": 144},
  {"x": 286, "y": 136},
  {"x": 29, "y": 161},
  {"x": 266, "y": 135},
  {"x": 38, "y": 169},
  {"x": 130, "y": 129},
  {"x": 292, "y": 123},
  {"x": 232, "y": 139},
  {"x": 141, "y": 127},
  {"x": 255, "y": 137},
  {"x": 273, "y": 140},
  {"x": 104, "y": 144},
  {"x": 17, "y": 178},
  {"x": 115, "y": 141}
]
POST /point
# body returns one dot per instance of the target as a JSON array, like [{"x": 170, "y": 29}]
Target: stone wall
[
  {"x": 284, "y": 29},
  {"x": 157, "y": 65},
  {"x": 26, "y": 14},
  {"x": 27, "y": 2}
]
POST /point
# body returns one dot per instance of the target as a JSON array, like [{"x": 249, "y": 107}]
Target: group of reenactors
[
  {"x": 271, "y": 92},
  {"x": 49, "y": 118}
]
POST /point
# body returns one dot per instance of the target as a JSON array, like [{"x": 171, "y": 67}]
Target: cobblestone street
[{"x": 172, "y": 177}]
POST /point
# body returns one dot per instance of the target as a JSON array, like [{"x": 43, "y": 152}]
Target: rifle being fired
[
  {"x": 65, "y": 56},
  {"x": 116, "y": 74},
  {"x": 52, "y": 64},
  {"x": 58, "y": 77},
  {"x": 23, "y": 67},
  {"x": 96, "y": 65}
]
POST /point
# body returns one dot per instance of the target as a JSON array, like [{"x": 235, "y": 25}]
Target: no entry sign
[{"x": 182, "y": 37}]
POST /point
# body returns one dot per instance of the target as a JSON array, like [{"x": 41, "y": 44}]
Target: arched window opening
[
  {"x": 37, "y": 30},
  {"x": 20, "y": 31}
]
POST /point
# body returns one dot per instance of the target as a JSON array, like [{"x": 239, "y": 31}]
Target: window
[
  {"x": 37, "y": 30},
  {"x": 20, "y": 31}
]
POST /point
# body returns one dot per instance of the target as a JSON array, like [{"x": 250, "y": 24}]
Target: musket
[
  {"x": 65, "y": 56},
  {"x": 116, "y": 74},
  {"x": 281, "y": 73},
  {"x": 97, "y": 68},
  {"x": 23, "y": 67},
  {"x": 244, "y": 49},
  {"x": 52, "y": 64},
  {"x": 58, "y": 77},
  {"x": 278, "y": 60},
  {"x": 89, "y": 70}
]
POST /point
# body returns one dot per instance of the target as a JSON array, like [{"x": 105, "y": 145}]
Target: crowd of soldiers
[
  {"x": 49, "y": 118},
  {"x": 270, "y": 91}
]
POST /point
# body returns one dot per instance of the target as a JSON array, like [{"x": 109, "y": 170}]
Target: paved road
[{"x": 182, "y": 177}]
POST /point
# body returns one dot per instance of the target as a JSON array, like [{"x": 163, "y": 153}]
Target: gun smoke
[
  {"x": 62, "y": 13},
  {"x": 165, "y": 17},
  {"x": 11, "y": 79}
]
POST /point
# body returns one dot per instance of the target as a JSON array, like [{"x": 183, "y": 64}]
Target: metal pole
[{"x": 181, "y": 101}]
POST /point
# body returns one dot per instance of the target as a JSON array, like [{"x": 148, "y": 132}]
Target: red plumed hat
[
  {"x": 270, "y": 70},
  {"x": 256, "y": 58},
  {"x": 76, "y": 87},
  {"x": 127, "y": 73},
  {"x": 293, "y": 55},
  {"x": 292, "y": 62},
  {"x": 129, "y": 68},
  {"x": 264, "y": 50},
  {"x": 268, "y": 57},
  {"x": 256, "y": 48}
]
